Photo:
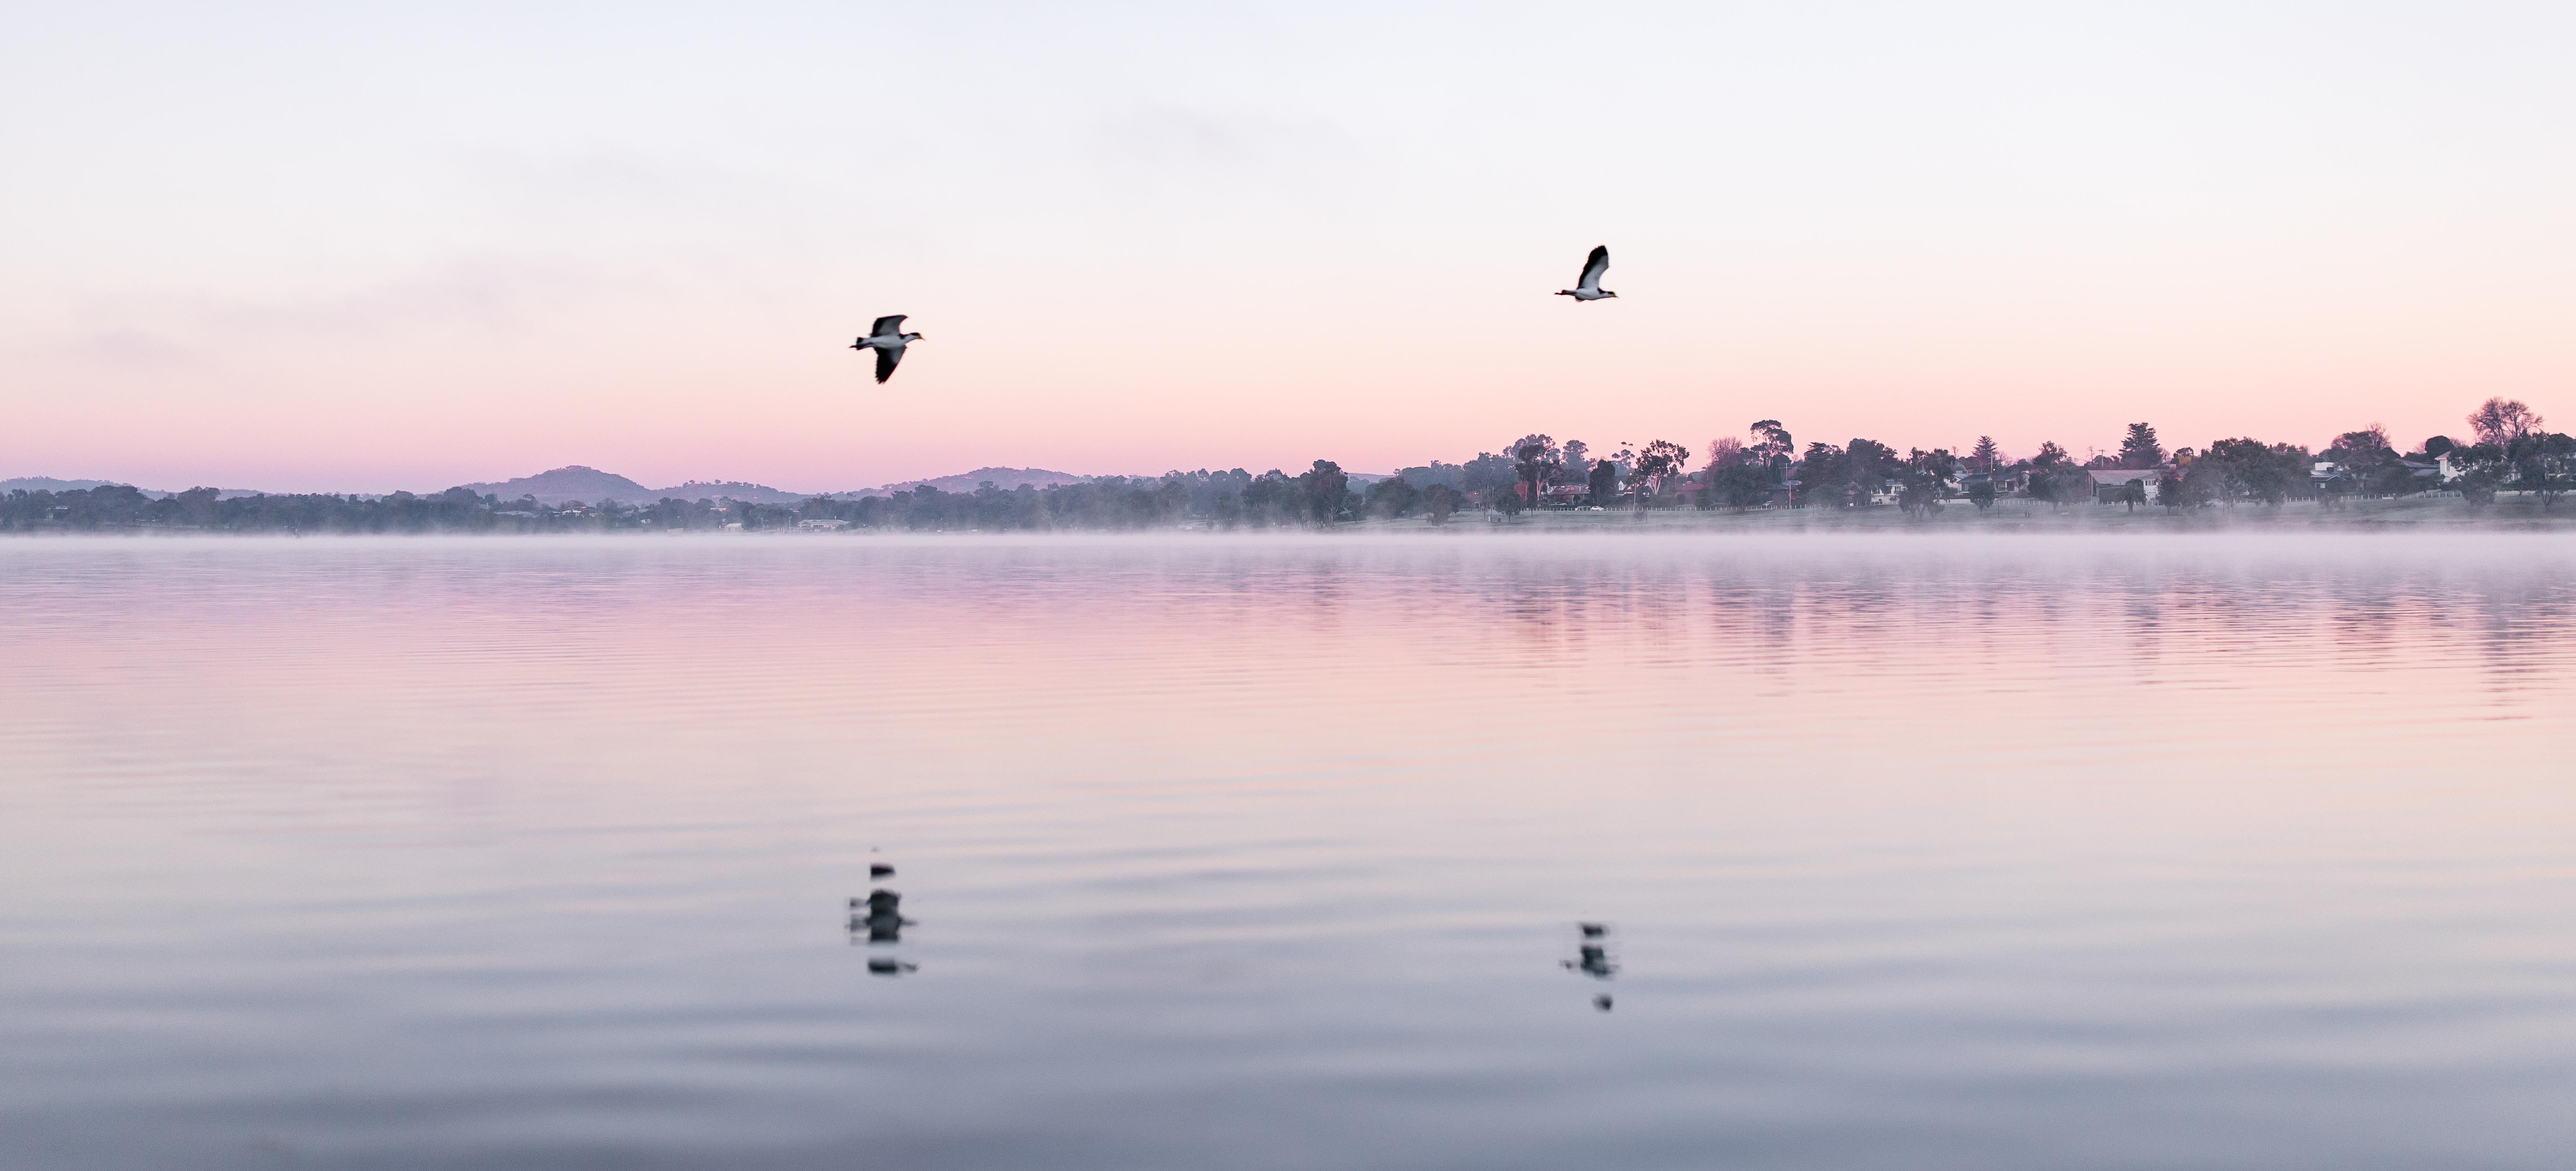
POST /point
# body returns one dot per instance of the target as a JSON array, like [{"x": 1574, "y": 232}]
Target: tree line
[{"x": 2510, "y": 451}]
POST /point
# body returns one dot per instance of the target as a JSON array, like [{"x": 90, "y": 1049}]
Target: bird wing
[
  {"x": 1593, "y": 266},
  {"x": 887, "y": 356},
  {"x": 887, "y": 325}
]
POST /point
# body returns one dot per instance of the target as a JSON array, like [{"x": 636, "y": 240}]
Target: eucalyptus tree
[
  {"x": 1326, "y": 490},
  {"x": 1771, "y": 447},
  {"x": 1663, "y": 459},
  {"x": 1537, "y": 458}
]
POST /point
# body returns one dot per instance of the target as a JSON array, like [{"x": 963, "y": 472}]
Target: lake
[{"x": 2005, "y": 853}]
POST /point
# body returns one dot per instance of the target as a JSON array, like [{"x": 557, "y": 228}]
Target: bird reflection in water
[
  {"x": 880, "y": 918},
  {"x": 1592, "y": 958}
]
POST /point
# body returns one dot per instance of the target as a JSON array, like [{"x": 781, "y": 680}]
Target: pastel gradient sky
[{"x": 363, "y": 247}]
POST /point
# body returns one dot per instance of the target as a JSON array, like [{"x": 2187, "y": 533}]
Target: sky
[{"x": 374, "y": 247}]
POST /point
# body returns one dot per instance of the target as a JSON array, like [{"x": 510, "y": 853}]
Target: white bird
[
  {"x": 887, "y": 338},
  {"x": 1589, "y": 288}
]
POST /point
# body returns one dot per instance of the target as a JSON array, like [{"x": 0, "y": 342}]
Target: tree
[
  {"x": 2063, "y": 486},
  {"x": 1603, "y": 482},
  {"x": 1662, "y": 460},
  {"x": 1536, "y": 458},
  {"x": 1846, "y": 475},
  {"x": 1982, "y": 494},
  {"x": 1823, "y": 468},
  {"x": 1392, "y": 497},
  {"x": 2051, "y": 458},
  {"x": 1274, "y": 499},
  {"x": 2255, "y": 470},
  {"x": 2362, "y": 454},
  {"x": 2140, "y": 450},
  {"x": 2133, "y": 493},
  {"x": 1725, "y": 451},
  {"x": 1439, "y": 501},
  {"x": 1484, "y": 473},
  {"x": 1506, "y": 501},
  {"x": 2173, "y": 490},
  {"x": 2503, "y": 422},
  {"x": 2477, "y": 486},
  {"x": 2547, "y": 468},
  {"x": 1771, "y": 442},
  {"x": 1577, "y": 455},
  {"x": 1867, "y": 467},
  {"x": 1985, "y": 455},
  {"x": 1740, "y": 486},
  {"x": 1326, "y": 490},
  {"x": 1926, "y": 479},
  {"x": 2484, "y": 470}
]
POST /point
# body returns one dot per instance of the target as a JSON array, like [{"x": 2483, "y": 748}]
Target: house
[
  {"x": 821, "y": 525},
  {"x": 2431, "y": 473},
  {"x": 2110, "y": 483},
  {"x": 2005, "y": 482}
]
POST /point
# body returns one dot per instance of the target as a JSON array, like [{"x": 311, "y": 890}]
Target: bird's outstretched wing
[
  {"x": 887, "y": 325},
  {"x": 1593, "y": 266},
  {"x": 887, "y": 356}
]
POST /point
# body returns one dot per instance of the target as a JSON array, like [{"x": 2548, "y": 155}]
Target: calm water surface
[{"x": 2046, "y": 853}]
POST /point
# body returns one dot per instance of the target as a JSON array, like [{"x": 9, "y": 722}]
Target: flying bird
[
  {"x": 1589, "y": 288},
  {"x": 887, "y": 338}
]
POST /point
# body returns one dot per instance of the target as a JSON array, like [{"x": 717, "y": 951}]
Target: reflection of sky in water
[{"x": 2015, "y": 853}]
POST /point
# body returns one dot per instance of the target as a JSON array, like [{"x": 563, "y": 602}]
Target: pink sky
[{"x": 368, "y": 252}]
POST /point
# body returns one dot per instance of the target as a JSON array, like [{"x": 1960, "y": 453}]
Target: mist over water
[{"x": 2132, "y": 851}]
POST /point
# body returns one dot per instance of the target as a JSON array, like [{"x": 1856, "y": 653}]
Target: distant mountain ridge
[
  {"x": 735, "y": 490},
  {"x": 1005, "y": 479},
  {"x": 50, "y": 484},
  {"x": 592, "y": 486},
  {"x": 573, "y": 482}
]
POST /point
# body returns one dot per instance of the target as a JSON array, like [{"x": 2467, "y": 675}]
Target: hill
[
  {"x": 50, "y": 484},
  {"x": 591, "y": 486},
  {"x": 588, "y": 485},
  {"x": 1002, "y": 478},
  {"x": 731, "y": 489}
]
